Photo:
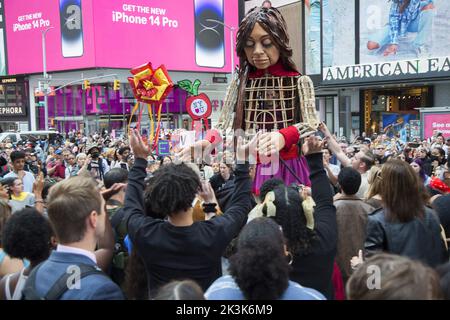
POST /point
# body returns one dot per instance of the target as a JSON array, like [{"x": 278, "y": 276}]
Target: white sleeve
[{"x": 107, "y": 168}]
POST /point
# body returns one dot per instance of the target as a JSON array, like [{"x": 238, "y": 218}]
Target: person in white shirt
[
  {"x": 18, "y": 163},
  {"x": 361, "y": 161},
  {"x": 123, "y": 153}
]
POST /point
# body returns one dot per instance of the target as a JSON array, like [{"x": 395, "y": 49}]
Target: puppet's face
[{"x": 260, "y": 49}]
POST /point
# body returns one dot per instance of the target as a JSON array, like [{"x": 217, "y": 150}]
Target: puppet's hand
[
  {"x": 270, "y": 143},
  {"x": 194, "y": 152}
]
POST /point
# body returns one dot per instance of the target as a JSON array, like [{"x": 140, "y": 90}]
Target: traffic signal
[
  {"x": 116, "y": 85},
  {"x": 86, "y": 85}
]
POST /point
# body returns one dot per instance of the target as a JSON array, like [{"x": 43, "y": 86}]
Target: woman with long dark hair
[{"x": 418, "y": 167}]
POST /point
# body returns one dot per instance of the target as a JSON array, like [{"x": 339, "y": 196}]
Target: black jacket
[
  {"x": 419, "y": 239},
  {"x": 191, "y": 252},
  {"x": 315, "y": 270}
]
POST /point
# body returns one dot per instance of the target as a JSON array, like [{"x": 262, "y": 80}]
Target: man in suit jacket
[{"x": 77, "y": 212}]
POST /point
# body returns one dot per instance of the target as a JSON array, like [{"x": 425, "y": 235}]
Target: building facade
[{"x": 359, "y": 89}]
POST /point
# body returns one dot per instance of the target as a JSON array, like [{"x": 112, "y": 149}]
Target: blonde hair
[
  {"x": 110, "y": 153},
  {"x": 70, "y": 202},
  {"x": 374, "y": 181},
  {"x": 81, "y": 155}
]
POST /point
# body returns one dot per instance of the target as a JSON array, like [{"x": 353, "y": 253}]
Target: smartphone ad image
[
  {"x": 71, "y": 28},
  {"x": 209, "y": 33}
]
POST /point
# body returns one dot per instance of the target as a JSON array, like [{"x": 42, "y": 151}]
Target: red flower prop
[{"x": 150, "y": 85}]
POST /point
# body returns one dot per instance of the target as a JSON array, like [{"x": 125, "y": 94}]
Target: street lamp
[
  {"x": 44, "y": 64},
  {"x": 231, "y": 42}
]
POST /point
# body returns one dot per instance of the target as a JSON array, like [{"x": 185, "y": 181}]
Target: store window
[
  {"x": 391, "y": 110},
  {"x": 13, "y": 103},
  {"x": 329, "y": 113},
  {"x": 344, "y": 116},
  {"x": 101, "y": 108}
]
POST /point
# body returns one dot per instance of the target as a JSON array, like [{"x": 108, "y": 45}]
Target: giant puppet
[{"x": 269, "y": 95}]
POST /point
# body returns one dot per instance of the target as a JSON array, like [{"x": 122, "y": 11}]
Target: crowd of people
[
  {"x": 143, "y": 226},
  {"x": 283, "y": 214}
]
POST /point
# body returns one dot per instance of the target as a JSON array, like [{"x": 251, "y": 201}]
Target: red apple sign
[{"x": 198, "y": 105}]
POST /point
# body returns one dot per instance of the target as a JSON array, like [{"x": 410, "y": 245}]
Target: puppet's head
[{"x": 267, "y": 21}]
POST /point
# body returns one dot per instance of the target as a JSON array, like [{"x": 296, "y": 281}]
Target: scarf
[{"x": 277, "y": 70}]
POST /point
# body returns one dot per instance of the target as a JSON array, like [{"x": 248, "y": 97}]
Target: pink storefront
[{"x": 86, "y": 38}]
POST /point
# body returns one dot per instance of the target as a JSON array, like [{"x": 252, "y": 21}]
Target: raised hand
[
  {"x": 356, "y": 261},
  {"x": 138, "y": 146},
  {"x": 207, "y": 192},
  {"x": 115, "y": 188},
  {"x": 38, "y": 185},
  {"x": 243, "y": 150},
  {"x": 324, "y": 129},
  {"x": 188, "y": 154},
  {"x": 312, "y": 145}
]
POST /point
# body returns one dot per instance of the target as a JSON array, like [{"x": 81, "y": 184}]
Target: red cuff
[
  {"x": 213, "y": 136},
  {"x": 291, "y": 136}
]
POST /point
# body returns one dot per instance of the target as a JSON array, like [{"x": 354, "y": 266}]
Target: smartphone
[
  {"x": 71, "y": 28},
  {"x": 209, "y": 35}
]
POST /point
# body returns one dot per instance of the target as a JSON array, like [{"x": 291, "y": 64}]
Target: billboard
[
  {"x": 398, "y": 42},
  {"x": 185, "y": 35},
  {"x": 433, "y": 122},
  {"x": 2, "y": 40},
  {"x": 398, "y": 124},
  {"x": 312, "y": 36},
  {"x": 338, "y": 33}
]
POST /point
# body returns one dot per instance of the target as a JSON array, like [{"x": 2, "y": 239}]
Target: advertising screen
[
  {"x": 434, "y": 122},
  {"x": 69, "y": 35},
  {"x": 395, "y": 124},
  {"x": 185, "y": 35},
  {"x": 312, "y": 36},
  {"x": 398, "y": 40},
  {"x": 2, "y": 40},
  {"x": 338, "y": 32}
]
